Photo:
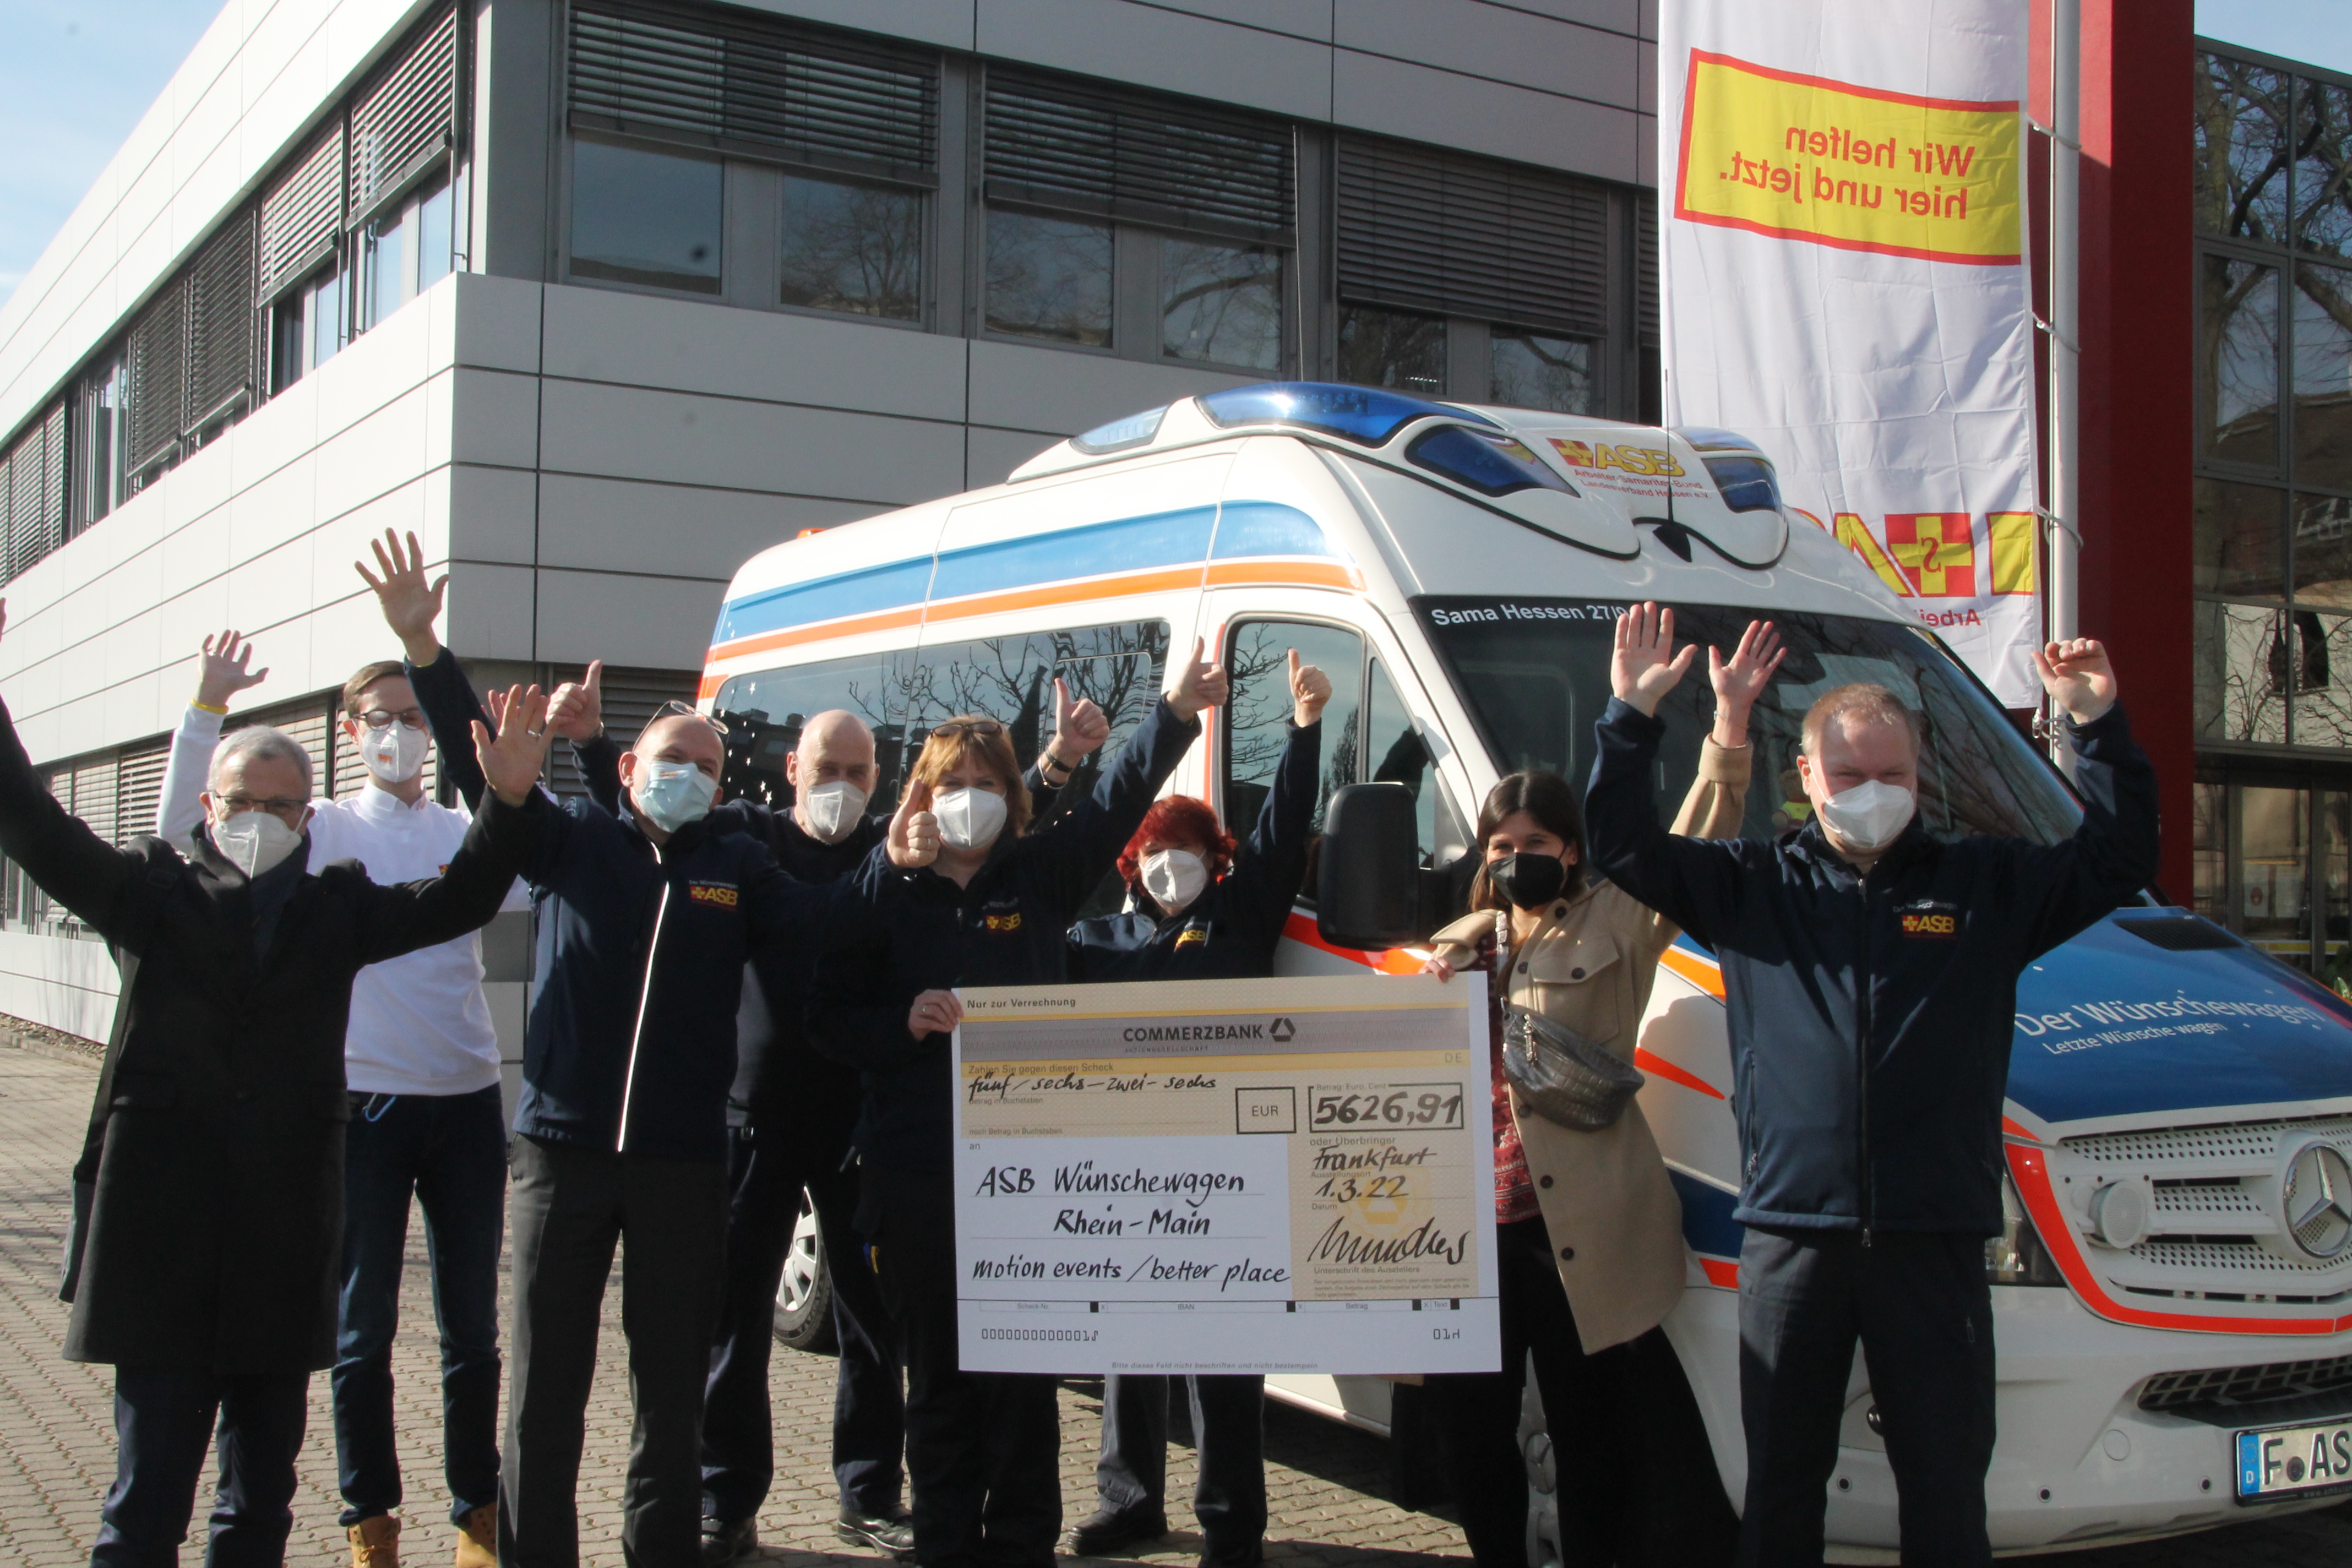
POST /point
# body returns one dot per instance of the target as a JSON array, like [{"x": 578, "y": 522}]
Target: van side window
[
  {"x": 1395, "y": 754},
  {"x": 1258, "y": 718}
]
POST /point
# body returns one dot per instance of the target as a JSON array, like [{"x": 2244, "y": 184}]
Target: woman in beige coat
[{"x": 1589, "y": 1245}]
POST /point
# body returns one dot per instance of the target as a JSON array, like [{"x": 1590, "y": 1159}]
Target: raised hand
[
  {"x": 1310, "y": 688},
  {"x": 2078, "y": 676},
  {"x": 410, "y": 603},
  {"x": 914, "y": 838},
  {"x": 512, "y": 761},
  {"x": 576, "y": 711},
  {"x": 221, "y": 670},
  {"x": 1199, "y": 684},
  {"x": 1079, "y": 726},
  {"x": 1739, "y": 682},
  {"x": 934, "y": 1013},
  {"x": 1644, "y": 667}
]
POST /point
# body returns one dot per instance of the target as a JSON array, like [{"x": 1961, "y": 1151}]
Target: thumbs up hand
[{"x": 914, "y": 839}]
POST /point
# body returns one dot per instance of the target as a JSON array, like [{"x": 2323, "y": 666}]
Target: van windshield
[{"x": 1535, "y": 674}]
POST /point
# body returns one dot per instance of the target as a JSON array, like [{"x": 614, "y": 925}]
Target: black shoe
[
  {"x": 723, "y": 1542},
  {"x": 1110, "y": 1530},
  {"x": 891, "y": 1534},
  {"x": 1234, "y": 1554}
]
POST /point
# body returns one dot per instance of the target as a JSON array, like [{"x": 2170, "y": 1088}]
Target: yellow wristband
[{"x": 200, "y": 703}]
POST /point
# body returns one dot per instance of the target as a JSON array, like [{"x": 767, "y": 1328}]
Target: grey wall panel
[
  {"x": 618, "y": 525},
  {"x": 1617, "y": 16},
  {"x": 1498, "y": 43},
  {"x": 655, "y": 622},
  {"x": 1055, "y": 390},
  {"x": 514, "y": 119},
  {"x": 997, "y": 453},
  {"x": 1645, "y": 75},
  {"x": 1645, "y": 152},
  {"x": 490, "y": 612},
  {"x": 495, "y": 418},
  {"x": 1300, "y": 18},
  {"x": 492, "y": 513},
  {"x": 604, "y": 334},
  {"x": 628, "y": 433},
  {"x": 947, "y": 23},
  {"x": 1168, "y": 50},
  {"x": 497, "y": 322},
  {"x": 1397, "y": 99}
]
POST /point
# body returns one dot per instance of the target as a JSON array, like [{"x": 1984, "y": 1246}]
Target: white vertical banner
[{"x": 1843, "y": 282}]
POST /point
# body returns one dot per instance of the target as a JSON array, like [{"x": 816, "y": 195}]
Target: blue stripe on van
[
  {"x": 1708, "y": 1223},
  {"x": 1237, "y": 530}
]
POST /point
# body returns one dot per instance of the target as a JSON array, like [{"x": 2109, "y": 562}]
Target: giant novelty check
[{"x": 1235, "y": 1176}]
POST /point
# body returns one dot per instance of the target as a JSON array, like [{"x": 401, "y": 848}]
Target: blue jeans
[
  {"x": 163, "y": 1423},
  {"x": 450, "y": 1152},
  {"x": 1228, "y": 1435}
]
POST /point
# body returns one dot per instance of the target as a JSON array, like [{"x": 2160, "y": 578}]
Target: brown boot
[
  {"x": 478, "y": 1538},
  {"x": 375, "y": 1543}
]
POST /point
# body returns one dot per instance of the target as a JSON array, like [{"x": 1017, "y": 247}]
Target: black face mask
[{"x": 1530, "y": 881}]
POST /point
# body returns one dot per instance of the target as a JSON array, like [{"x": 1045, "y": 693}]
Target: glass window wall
[{"x": 647, "y": 217}]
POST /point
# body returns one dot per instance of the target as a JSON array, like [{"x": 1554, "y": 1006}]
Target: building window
[
  {"x": 1222, "y": 303},
  {"x": 1391, "y": 348},
  {"x": 306, "y": 327},
  {"x": 853, "y": 247},
  {"x": 101, "y": 481},
  {"x": 405, "y": 252},
  {"x": 1049, "y": 277},
  {"x": 647, "y": 217},
  {"x": 1538, "y": 370}
]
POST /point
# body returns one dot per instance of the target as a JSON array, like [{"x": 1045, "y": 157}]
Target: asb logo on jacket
[
  {"x": 722, "y": 894},
  {"x": 1004, "y": 916},
  {"x": 1932, "y": 919}
]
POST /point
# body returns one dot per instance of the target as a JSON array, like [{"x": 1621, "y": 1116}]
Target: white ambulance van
[{"x": 2174, "y": 1288}]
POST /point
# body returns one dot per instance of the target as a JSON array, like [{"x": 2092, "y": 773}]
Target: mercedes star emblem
[{"x": 2318, "y": 1198}]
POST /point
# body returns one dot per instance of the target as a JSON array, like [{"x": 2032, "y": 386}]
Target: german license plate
[{"x": 2295, "y": 1461}]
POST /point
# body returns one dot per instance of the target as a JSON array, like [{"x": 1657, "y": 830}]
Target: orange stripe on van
[
  {"x": 1395, "y": 961},
  {"x": 1721, "y": 1272},
  {"x": 1708, "y": 977},
  {"x": 1658, "y": 1066},
  {"x": 1066, "y": 593},
  {"x": 880, "y": 621},
  {"x": 1300, "y": 573}
]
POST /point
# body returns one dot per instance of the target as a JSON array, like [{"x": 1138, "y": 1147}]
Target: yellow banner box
[{"x": 1801, "y": 157}]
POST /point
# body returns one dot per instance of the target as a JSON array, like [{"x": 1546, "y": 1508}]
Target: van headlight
[{"x": 2016, "y": 1257}]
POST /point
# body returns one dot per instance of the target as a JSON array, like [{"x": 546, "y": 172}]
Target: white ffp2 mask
[
  {"x": 1870, "y": 815},
  {"x": 253, "y": 841},
  {"x": 969, "y": 818},
  {"x": 1174, "y": 878},
  {"x": 833, "y": 809},
  {"x": 394, "y": 753}
]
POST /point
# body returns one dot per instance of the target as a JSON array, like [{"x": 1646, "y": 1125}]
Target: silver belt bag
[{"x": 1565, "y": 1078}]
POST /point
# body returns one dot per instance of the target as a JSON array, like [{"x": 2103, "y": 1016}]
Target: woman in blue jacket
[
  {"x": 1200, "y": 906},
  {"x": 982, "y": 1449}
]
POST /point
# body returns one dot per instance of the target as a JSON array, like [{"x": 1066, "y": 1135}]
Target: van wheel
[
  {"x": 1686, "y": 1518},
  {"x": 804, "y": 1295}
]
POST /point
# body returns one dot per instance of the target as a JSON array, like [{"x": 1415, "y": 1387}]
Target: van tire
[
  {"x": 1686, "y": 1518},
  {"x": 804, "y": 1293}
]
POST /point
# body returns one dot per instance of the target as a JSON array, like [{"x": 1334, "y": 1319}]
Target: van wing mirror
[{"x": 1369, "y": 895}]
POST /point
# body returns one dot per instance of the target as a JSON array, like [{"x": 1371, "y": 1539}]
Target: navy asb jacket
[
  {"x": 631, "y": 1043},
  {"x": 1230, "y": 931},
  {"x": 1007, "y": 928},
  {"x": 1870, "y": 1016}
]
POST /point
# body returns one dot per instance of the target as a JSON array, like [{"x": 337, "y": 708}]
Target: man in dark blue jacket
[
  {"x": 646, "y": 919},
  {"x": 1870, "y": 973}
]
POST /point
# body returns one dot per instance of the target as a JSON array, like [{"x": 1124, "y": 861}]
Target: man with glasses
[
  {"x": 648, "y": 916},
  {"x": 208, "y": 1196},
  {"x": 421, "y": 1066}
]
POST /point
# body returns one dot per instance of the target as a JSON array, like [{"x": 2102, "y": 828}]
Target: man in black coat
[{"x": 209, "y": 1192}]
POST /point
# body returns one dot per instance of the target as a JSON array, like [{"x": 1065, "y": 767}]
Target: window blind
[
  {"x": 716, "y": 79},
  {"x": 1058, "y": 142},
  {"x": 305, "y": 719},
  {"x": 33, "y": 492},
  {"x": 1427, "y": 229},
  {"x": 631, "y": 695},
  {"x": 221, "y": 322},
  {"x": 405, "y": 120},
  {"x": 302, "y": 214},
  {"x": 137, "y": 787},
  {"x": 1645, "y": 266},
  {"x": 159, "y": 374}
]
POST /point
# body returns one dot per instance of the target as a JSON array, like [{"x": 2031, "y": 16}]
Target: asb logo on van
[{"x": 1597, "y": 455}]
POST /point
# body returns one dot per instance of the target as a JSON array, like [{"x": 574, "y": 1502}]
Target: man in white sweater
[{"x": 421, "y": 1064}]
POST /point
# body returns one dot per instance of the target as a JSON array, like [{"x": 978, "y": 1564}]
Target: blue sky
[{"x": 77, "y": 74}]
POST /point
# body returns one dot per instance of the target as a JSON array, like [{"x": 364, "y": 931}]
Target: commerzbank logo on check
[{"x": 1277, "y": 1029}]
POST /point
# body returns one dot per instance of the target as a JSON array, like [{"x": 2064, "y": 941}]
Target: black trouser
[
  {"x": 1228, "y": 1436},
  {"x": 163, "y": 1425},
  {"x": 1587, "y": 1411},
  {"x": 1922, "y": 1307},
  {"x": 571, "y": 1204},
  {"x": 768, "y": 1167},
  {"x": 983, "y": 1449}
]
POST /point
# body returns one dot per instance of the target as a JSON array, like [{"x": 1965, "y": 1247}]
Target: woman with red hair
[{"x": 1200, "y": 906}]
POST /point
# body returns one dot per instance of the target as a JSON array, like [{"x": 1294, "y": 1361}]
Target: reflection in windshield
[{"x": 1536, "y": 675}]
